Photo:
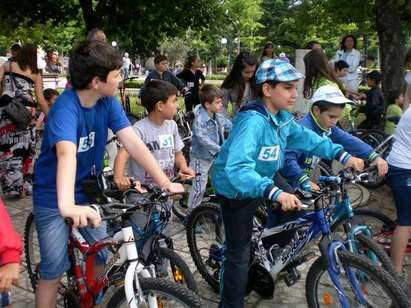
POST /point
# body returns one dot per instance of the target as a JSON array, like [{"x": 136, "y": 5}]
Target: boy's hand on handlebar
[
  {"x": 174, "y": 188},
  {"x": 9, "y": 274},
  {"x": 356, "y": 163},
  {"x": 288, "y": 201},
  {"x": 81, "y": 216},
  {"x": 186, "y": 173},
  {"x": 122, "y": 182},
  {"x": 381, "y": 165}
]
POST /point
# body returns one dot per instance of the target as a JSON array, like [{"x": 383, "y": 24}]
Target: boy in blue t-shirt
[
  {"x": 72, "y": 150},
  {"x": 243, "y": 171}
]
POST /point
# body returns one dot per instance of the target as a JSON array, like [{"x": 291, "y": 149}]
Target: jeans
[
  {"x": 198, "y": 188},
  {"x": 238, "y": 221}
]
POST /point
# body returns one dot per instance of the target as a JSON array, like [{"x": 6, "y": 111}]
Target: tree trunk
[
  {"x": 88, "y": 14},
  {"x": 392, "y": 40}
]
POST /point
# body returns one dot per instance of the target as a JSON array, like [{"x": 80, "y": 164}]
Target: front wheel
[
  {"x": 377, "y": 287},
  {"x": 179, "y": 271},
  {"x": 168, "y": 294}
]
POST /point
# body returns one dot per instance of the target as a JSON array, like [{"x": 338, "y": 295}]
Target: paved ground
[{"x": 285, "y": 297}]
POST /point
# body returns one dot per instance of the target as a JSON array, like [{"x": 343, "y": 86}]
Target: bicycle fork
[{"x": 334, "y": 268}]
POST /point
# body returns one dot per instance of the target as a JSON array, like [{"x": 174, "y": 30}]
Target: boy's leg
[
  {"x": 53, "y": 234},
  {"x": 199, "y": 185},
  {"x": 399, "y": 181},
  {"x": 238, "y": 220}
]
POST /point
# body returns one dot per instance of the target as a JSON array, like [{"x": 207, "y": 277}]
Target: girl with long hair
[{"x": 239, "y": 86}]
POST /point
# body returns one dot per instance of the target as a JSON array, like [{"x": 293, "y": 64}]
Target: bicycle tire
[
  {"x": 178, "y": 262},
  {"x": 386, "y": 281},
  {"x": 205, "y": 209},
  {"x": 165, "y": 287},
  {"x": 29, "y": 251}
]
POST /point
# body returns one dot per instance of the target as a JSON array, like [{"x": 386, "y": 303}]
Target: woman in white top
[
  {"x": 268, "y": 52},
  {"x": 399, "y": 179},
  {"x": 352, "y": 56}
]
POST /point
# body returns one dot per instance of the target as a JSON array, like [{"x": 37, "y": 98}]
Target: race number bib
[
  {"x": 269, "y": 153},
  {"x": 166, "y": 141},
  {"x": 86, "y": 143}
]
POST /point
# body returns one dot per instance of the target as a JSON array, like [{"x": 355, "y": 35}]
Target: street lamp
[
  {"x": 114, "y": 44},
  {"x": 223, "y": 41}
]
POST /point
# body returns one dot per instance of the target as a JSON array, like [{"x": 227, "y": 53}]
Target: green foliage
[{"x": 134, "y": 83}]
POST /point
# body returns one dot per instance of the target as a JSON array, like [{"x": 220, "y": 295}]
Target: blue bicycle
[{"x": 337, "y": 278}]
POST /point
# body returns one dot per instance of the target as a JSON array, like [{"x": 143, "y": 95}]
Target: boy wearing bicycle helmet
[
  {"x": 75, "y": 136},
  {"x": 327, "y": 106},
  {"x": 243, "y": 171}
]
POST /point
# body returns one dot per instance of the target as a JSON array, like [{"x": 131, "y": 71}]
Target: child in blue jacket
[
  {"x": 243, "y": 171},
  {"x": 327, "y": 107}
]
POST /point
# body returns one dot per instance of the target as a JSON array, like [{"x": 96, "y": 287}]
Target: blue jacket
[
  {"x": 298, "y": 165},
  {"x": 167, "y": 76},
  {"x": 208, "y": 133},
  {"x": 254, "y": 152}
]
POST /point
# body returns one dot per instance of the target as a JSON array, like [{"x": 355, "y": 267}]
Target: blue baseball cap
[{"x": 276, "y": 70}]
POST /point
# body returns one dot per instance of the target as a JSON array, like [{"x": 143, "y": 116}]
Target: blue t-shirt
[{"x": 87, "y": 129}]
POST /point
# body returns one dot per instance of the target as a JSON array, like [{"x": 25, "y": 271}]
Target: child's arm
[
  {"x": 139, "y": 152},
  {"x": 292, "y": 169},
  {"x": 185, "y": 172},
  {"x": 122, "y": 182},
  {"x": 10, "y": 251},
  {"x": 65, "y": 178},
  {"x": 38, "y": 89},
  {"x": 200, "y": 130}
]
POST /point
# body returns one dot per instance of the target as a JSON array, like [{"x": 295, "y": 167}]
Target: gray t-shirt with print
[{"x": 163, "y": 141}]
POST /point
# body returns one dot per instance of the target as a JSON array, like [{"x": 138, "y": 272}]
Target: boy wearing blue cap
[{"x": 243, "y": 171}]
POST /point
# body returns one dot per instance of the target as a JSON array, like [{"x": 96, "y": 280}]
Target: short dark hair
[
  {"x": 49, "y": 93},
  {"x": 95, "y": 35},
  {"x": 159, "y": 58},
  {"x": 156, "y": 91},
  {"x": 392, "y": 95},
  {"x": 311, "y": 44},
  {"x": 341, "y": 64},
  {"x": 15, "y": 47},
  {"x": 92, "y": 59},
  {"x": 209, "y": 93},
  {"x": 272, "y": 83},
  {"x": 374, "y": 75},
  {"x": 324, "y": 105}
]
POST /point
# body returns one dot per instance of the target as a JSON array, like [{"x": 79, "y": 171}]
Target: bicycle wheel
[
  {"x": 178, "y": 270},
  {"x": 378, "y": 288},
  {"x": 31, "y": 251},
  {"x": 205, "y": 238},
  {"x": 168, "y": 294}
]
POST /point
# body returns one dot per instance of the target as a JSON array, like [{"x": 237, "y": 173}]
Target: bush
[
  {"x": 219, "y": 76},
  {"x": 134, "y": 84}
]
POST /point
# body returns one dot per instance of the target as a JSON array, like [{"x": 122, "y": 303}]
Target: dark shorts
[{"x": 400, "y": 182}]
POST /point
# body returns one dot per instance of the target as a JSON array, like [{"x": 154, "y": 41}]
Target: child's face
[
  {"x": 370, "y": 82},
  {"x": 400, "y": 100},
  {"x": 52, "y": 100},
  {"x": 248, "y": 72},
  {"x": 282, "y": 96},
  {"x": 110, "y": 86},
  {"x": 162, "y": 66},
  {"x": 169, "y": 108},
  {"x": 342, "y": 73},
  {"x": 349, "y": 43},
  {"x": 329, "y": 117},
  {"x": 215, "y": 106}
]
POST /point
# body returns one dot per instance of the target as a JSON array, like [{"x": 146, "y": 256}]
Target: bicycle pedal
[{"x": 292, "y": 276}]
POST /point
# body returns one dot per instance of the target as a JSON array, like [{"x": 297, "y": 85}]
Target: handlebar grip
[{"x": 329, "y": 179}]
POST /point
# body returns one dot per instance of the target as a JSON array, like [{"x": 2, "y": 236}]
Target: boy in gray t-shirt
[{"x": 160, "y": 134}]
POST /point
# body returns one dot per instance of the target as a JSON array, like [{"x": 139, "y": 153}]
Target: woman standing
[
  {"x": 352, "y": 56},
  {"x": 193, "y": 79},
  {"x": 19, "y": 79},
  {"x": 239, "y": 86},
  {"x": 268, "y": 52}
]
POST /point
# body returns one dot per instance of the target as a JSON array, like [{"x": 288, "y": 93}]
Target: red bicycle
[{"x": 134, "y": 283}]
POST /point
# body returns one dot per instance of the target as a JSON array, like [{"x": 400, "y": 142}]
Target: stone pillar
[{"x": 301, "y": 104}]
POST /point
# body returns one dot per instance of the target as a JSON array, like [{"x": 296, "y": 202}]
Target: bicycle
[
  {"x": 81, "y": 289},
  {"x": 275, "y": 262}
]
